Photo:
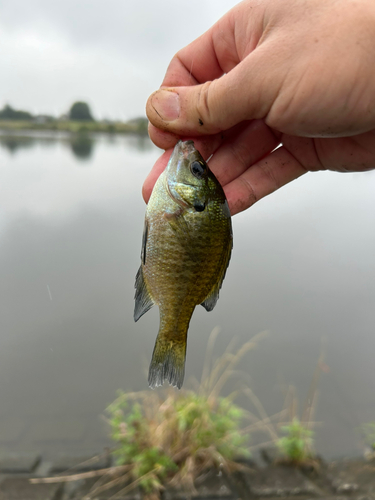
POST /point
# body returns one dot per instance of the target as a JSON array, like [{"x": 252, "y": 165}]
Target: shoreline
[
  {"x": 352, "y": 478},
  {"x": 138, "y": 127}
]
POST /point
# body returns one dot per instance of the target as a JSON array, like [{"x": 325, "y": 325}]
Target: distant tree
[
  {"x": 80, "y": 111},
  {"x": 82, "y": 146},
  {"x": 8, "y": 113},
  {"x": 142, "y": 126}
]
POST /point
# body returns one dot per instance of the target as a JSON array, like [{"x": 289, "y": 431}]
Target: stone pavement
[{"x": 341, "y": 480}]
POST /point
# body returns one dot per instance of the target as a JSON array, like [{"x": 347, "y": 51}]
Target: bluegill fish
[{"x": 187, "y": 243}]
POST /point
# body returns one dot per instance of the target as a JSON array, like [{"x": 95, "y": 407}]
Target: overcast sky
[{"x": 111, "y": 53}]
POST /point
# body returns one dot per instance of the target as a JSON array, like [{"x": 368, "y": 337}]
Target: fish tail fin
[{"x": 168, "y": 362}]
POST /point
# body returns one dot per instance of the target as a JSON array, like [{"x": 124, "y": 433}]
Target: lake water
[{"x": 71, "y": 221}]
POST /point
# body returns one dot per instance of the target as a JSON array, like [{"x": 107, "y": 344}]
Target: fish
[{"x": 186, "y": 247}]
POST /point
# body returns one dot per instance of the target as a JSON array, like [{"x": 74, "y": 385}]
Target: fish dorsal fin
[
  {"x": 144, "y": 242},
  {"x": 143, "y": 300},
  {"x": 210, "y": 301}
]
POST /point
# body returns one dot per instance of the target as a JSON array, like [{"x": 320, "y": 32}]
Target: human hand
[{"x": 270, "y": 72}]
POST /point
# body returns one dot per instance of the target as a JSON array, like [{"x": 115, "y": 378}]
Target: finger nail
[{"x": 167, "y": 104}]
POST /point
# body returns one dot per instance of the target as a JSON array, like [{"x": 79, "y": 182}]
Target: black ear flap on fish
[{"x": 143, "y": 300}]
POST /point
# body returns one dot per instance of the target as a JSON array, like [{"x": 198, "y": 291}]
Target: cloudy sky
[{"x": 111, "y": 53}]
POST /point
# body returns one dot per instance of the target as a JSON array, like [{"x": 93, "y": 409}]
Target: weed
[
  {"x": 170, "y": 437},
  {"x": 176, "y": 437},
  {"x": 173, "y": 436},
  {"x": 368, "y": 432},
  {"x": 296, "y": 446}
]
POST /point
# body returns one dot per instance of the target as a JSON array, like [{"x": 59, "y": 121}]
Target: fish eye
[
  {"x": 199, "y": 207},
  {"x": 198, "y": 168}
]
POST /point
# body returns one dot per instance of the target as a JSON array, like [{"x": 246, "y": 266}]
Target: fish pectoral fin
[
  {"x": 143, "y": 300},
  {"x": 210, "y": 301},
  {"x": 177, "y": 223}
]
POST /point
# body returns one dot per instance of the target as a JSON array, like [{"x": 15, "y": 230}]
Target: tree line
[{"x": 79, "y": 111}]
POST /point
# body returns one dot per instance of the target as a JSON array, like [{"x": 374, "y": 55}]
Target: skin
[{"x": 295, "y": 72}]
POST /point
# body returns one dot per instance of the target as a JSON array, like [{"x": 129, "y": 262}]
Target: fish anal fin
[
  {"x": 143, "y": 300},
  {"x": 210, "y": 302}
]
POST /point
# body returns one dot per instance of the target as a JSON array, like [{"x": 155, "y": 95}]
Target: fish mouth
[{"x": 185, "y": 148}]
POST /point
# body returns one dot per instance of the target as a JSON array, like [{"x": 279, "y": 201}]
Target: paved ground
[
  {"x": 342, "y": 480},
  {"x": 47, "y": 434}
]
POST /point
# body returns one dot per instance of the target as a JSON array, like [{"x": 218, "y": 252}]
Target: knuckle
[
  {"x": 204, "y": 106},
  {"x": 250, "y": 196},
  {"x": 240, "y": 153},
  {"x": 271, "y": 176}
]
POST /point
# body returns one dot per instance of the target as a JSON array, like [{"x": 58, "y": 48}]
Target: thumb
[{"x": 214, "y": 106}]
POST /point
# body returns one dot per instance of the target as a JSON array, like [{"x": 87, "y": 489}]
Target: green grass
[
  {"x": 368, "y": 432},
  {"x": 296, "y": 445},
  {"x": 168, "y": 437},
  {"x": 171, "y": 437},
  {"x": 175, "y": 438}
]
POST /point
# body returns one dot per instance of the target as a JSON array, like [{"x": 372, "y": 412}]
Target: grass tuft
[
  {"x": 175, "y": 438},
  {"x": 296, "y": 446},
  {"x": 368, "y": 432},
  {"x": 172, "y": 437}
]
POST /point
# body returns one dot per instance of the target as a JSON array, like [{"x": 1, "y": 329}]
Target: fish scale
[{"x": 186, "y": 249}]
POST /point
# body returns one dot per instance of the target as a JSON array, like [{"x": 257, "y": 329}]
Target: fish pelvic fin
[{"x": 168, "y": 362}]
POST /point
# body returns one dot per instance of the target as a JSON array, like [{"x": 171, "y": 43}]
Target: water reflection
[
  {"x": 303, "y": 267},
  {"x": 140, "y": 143},
  {"x": 13, "y": 143},
  {"x": 82, "y": 146}
]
